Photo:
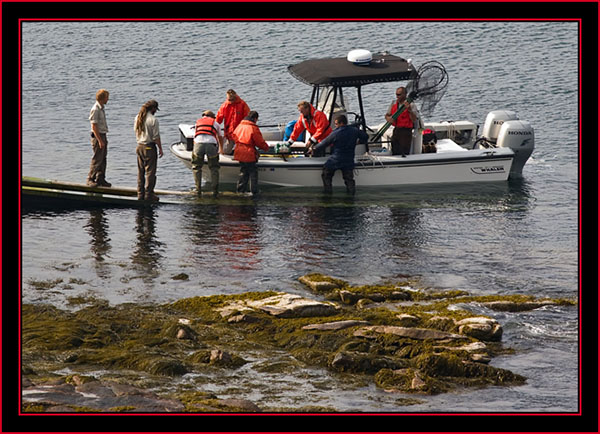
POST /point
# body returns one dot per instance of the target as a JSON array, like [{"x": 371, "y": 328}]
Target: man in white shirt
[{"x": 99, "y": 128}]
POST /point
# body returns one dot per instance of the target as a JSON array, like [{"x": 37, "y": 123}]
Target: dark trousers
[
  {"x": 212, "y": 154},
  {"x": 147, "y": 158},
  {"x": 401, "y": 141},
  {"x": 98, "y": 165},
  {"x": 248, "y": 174},
  {"x": 347, "y": 174}
]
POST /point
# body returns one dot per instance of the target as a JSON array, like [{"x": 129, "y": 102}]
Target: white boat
[{"x": 461, "y": 155}]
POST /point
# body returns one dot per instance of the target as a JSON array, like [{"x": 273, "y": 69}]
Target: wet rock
[
  {"x": 363, "y": 303},
  {"x": 406, "y": 380},
  {"x": 293, "y": 306},
  {"x": 481, "y": 358},
  {"x": 281, "y": 305},
  {"x": 336, "y": 325},
  {"x": 240, "y": 404},
  {"x": 482, "y": 328},
  {"x": 321, "y": 283},
  {"x": 95, "y": 396},
  {"x": 349, "y": 297},
  {"x": 353, "y": 297},
  {"x": 512, "y": 306},
  {"x": 384, "y": 341},
  {"x": 399, "y": 295},
  {"x": 181, "y": 276},
  {"x": 166, "y": 366},
  {"x": 407, "y": 320},
  {"x": 126, "y": 389},
  {"x": 183, "y": 334},
  {"x": 472, "y": 347},
  {"x": 242, "y": 318},
  {"x": 406, "y": 332},
  {"x": 95, "y": 388},
  {"x": 220, "y": 357},
  {"x": 363, "y": 362}
]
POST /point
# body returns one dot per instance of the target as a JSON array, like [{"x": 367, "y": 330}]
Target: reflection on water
[
  {"x": 97, "y": 228},
  {"x": 223, "y": 236},
  {"x": 146, "y": 255}
]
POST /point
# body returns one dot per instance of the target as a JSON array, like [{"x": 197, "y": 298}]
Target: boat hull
[{"x": 372, "y": 170}]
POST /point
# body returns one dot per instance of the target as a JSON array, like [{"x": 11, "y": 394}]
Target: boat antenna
[{"x": 429, "y": 86}]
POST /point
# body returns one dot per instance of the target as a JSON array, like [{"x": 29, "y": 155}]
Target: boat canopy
[{"x": 339, "y": 72}]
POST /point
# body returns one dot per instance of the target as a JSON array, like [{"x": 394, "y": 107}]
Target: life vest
[
  {"x": 402, "y": 121},
  {"x": 206, "y": 125}
]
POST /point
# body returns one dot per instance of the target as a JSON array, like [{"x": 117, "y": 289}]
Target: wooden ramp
[
  {"x": 45, "y": 192},
  {"x": 29, "y": 181}
]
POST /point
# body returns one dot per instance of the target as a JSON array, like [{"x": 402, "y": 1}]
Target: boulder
[
  {"x": 482, "y": 328},
  {"x": 320, "y": 283},
  {"x": 292, "y": 306},
  {"x": 513, "y": 306},
  {"x": 347, "y": 361},
  {"x": 407, "y": 320},
  {"x": 281, "y": 305},
  {"x": 240, "y": 404}
]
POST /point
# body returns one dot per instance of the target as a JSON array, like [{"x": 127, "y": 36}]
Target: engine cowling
[
  {"x": 494, "y": 121},
  {"x": 517, "y": 135}
]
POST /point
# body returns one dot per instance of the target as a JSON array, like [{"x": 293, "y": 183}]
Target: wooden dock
[{"x": 46, "y": 192}]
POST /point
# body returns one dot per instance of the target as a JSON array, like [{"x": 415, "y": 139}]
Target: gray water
[{"x": 514, "y": 237}]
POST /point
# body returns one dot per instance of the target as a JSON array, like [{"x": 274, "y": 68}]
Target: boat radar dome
[{"x": 360, "y": 57}]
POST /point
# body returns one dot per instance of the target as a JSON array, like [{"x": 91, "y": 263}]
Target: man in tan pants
[{"x": 99, "y": 128}]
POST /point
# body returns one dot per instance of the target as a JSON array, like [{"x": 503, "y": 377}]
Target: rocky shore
[{"x": 129, "y": 358}]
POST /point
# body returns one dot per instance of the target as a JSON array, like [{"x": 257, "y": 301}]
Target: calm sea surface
[{"x": 515, "y": 237}]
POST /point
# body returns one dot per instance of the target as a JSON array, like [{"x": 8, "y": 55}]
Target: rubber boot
[
  {"x": 348, "y": 176},
  {"x": 327, "y": 177},
  {"x": 198, "y": 181}
]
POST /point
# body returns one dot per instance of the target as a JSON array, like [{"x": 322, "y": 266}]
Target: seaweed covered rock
[
  {"x": 280, "y": 305},
  {"x": 482, "y": 328},
  {"x": 337, "y": 289},
  {"x": 403, "y": 339}
]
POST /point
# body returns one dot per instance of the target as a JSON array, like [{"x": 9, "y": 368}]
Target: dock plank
[{"x": 29, "y": 181}]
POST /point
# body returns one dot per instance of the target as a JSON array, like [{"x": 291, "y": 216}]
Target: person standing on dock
[
  {"x": 247, "y": 138},
  {"x": 99, "y": 128},
  {"x": 312, "y": 120},
  {"x": 147, "y": 135},
  {"x": 231, "y": 113},
  {"x": 207, "y": 141},
  {"x": 343, "y": 141},
  {"x": 403, "y": 124}
]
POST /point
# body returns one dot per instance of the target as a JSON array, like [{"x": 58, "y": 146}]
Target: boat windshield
[{"x": 330, "y": 100}]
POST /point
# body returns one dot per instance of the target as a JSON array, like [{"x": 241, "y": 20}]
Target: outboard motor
[
  {"x": 493, "y": 123},
  {"x": 186, "y": 135},
  {"x": 503, "y": 129},
  {"x": 518, "y": 136}
]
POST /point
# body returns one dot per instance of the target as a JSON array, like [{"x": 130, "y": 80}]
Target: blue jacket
[{"x": 343, "y": 140}]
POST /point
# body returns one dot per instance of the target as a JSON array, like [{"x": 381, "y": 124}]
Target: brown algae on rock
[{"x": 406, "y": 340}]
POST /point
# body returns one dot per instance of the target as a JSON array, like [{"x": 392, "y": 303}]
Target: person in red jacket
[
  {"x": 247, "y": 138},
  {"x": 403, "y": 124},
  {"x": 312, "y": 120},
  {"x": 231, "y": 113}
]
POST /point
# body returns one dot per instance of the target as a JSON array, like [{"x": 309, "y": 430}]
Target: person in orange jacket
[
  {"x": 312, "y": 120},
  {"x": 231, "y": 113},
  {"x": 247, "y": 138}
]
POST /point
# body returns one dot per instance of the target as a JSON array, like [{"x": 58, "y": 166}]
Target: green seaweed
[{"x": 170, "y": 340}]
